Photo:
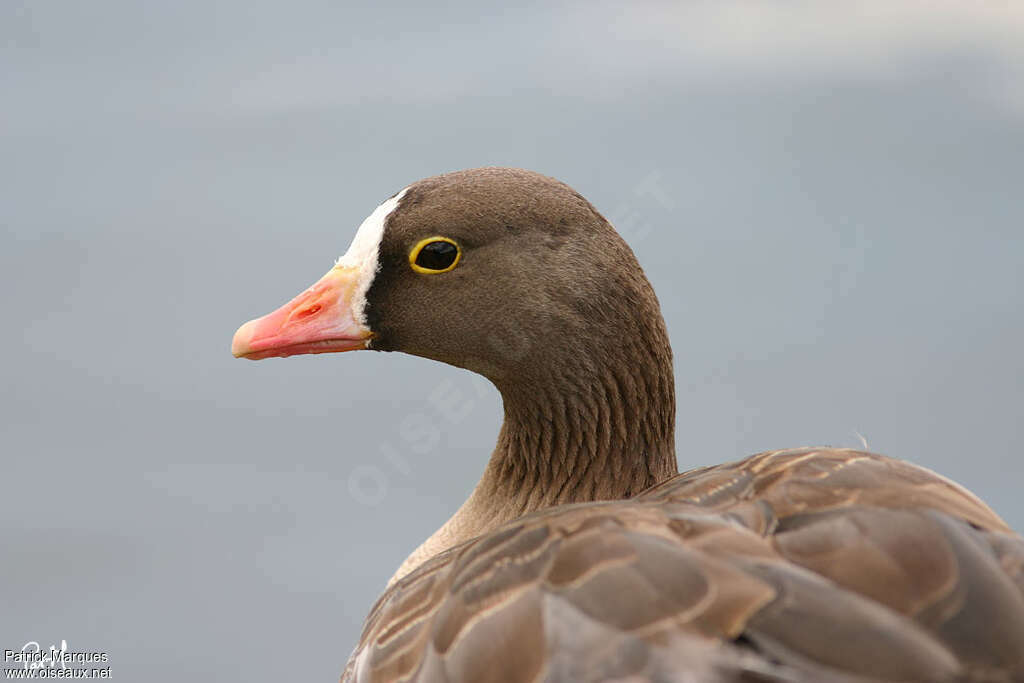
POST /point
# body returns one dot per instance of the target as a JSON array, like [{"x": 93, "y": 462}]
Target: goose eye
[{"x": 435, "y": 255}]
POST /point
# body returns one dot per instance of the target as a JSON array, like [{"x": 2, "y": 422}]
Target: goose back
[{"x": 796, "y": 565}]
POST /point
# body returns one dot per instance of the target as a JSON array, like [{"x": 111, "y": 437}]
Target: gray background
[{"x": 838, "y": 251}]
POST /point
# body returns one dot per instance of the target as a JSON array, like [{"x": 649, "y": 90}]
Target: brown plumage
[
  {"x": 582, "y": 555},
  {"x": 807, "y": 564}
]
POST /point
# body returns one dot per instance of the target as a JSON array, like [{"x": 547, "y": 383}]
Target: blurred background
[{"x": 826, "y": 196}]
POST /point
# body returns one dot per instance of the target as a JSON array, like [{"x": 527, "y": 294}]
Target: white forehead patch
[{"x": 364, "y": 254}]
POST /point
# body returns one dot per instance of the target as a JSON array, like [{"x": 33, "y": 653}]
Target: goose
[{"x": 583, "y": 554}]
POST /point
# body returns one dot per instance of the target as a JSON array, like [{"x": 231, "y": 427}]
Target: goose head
[{"x": 504, "y": 272}]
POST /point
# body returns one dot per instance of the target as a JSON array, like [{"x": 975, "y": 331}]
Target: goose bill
[{"x": 320, "y": 320}]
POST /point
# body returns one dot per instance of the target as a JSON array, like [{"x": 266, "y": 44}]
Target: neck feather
[
  {"x": 579, "y": 431},
  {"x": 606, "y": 436}
]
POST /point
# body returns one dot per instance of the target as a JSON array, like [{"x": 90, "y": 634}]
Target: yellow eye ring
[{"x": 435, "y": 260}]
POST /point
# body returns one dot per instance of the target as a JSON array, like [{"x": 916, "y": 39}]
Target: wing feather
[{"x": 801, "y": 565}]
